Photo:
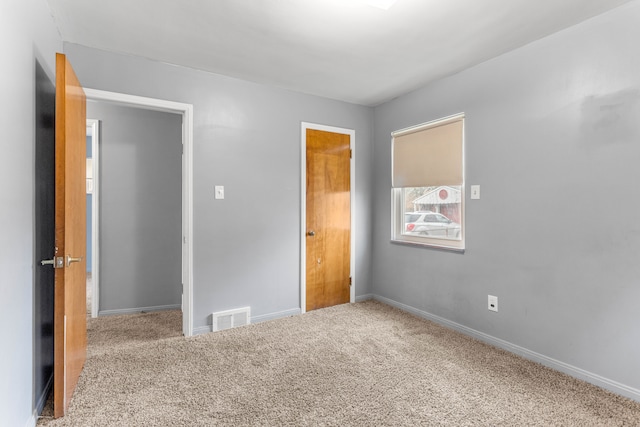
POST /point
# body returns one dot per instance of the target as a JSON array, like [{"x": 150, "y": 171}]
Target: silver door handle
[
  {"x": 57, "y": 262},
  {"x": 311, "y": 233},
  {"x": 70, "y": 259}
]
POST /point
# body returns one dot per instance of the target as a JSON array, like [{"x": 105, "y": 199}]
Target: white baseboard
[
  {"x": 276, "y": 315},
  {"x": 365, "y": 297},
  {"x": 614, "y": 386},
  {"x": 32, "y": 420},
  {"x": 254, "y": 319},
  {"x": 137, "y": 310},
  {"x": 42, "y": 400},
  {"x": 201, "y": 330}
]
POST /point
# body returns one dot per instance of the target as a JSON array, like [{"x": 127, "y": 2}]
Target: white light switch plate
[
  {"x": 475, "y": 192},
  {"x": 219, "y": 192}
]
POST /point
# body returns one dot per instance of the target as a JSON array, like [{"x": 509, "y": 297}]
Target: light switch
[
  {"x": 475, "y": 192},
  {"x": 219, "y": 192}
]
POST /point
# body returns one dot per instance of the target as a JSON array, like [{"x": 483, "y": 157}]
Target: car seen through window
[{"x": 430, "y": 224}]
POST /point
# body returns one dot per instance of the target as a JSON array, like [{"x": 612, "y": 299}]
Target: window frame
[{"x": 397, "y": 199}]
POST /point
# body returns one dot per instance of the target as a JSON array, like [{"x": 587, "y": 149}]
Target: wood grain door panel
[
  {"x": 328, "y": 203},
  {"x": 70, "y": 337}
]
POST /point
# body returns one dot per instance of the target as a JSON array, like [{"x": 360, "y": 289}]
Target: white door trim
[
  {"x": 186, "y": 110},
  {"x": 303, "y": 209},
  {"x": 95, "y": 216}
]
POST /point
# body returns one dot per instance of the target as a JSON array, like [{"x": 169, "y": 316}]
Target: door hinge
[
  {"x": 350, "y": 281},
  {"x": 350, "y": 153}
]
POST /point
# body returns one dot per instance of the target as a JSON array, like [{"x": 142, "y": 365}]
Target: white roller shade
[{"x": 429, "y": 154}]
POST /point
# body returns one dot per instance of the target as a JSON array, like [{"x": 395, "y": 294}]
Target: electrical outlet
[{"x": 493, "y": 303}]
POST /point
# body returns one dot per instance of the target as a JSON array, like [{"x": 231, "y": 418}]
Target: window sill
[{"x": 428, "y": 245}]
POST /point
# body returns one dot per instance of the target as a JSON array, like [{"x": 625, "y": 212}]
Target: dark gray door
[{"x": 43, "y": 294}]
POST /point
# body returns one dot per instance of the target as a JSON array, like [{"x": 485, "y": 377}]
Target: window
[{"x": 428, "y": 184}]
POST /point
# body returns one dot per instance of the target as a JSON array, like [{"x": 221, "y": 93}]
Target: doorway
[
  {"x": 185, "y": 111},
  {"x": 327, "y": 217},
  {"x": 93, "y": 217}
]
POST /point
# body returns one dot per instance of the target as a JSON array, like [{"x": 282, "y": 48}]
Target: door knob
[
  {"x": 311, "y": 233},
  {"x": 70, "y": 259}
]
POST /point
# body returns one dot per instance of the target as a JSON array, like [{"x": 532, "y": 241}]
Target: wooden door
[
  {"x": 328, "y": 239},
  {"x": 70, "y": 317}
]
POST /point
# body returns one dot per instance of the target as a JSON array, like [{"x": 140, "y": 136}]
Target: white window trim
[
  {"x": 397, "y": 224},
  {"x": 397, "y": 211}
]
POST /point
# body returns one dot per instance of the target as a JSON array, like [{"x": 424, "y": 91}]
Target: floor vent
[{"x": 230, "y": 318}]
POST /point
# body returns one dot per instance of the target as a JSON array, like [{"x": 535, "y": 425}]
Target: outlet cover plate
[{"x": 493, "y": 303}]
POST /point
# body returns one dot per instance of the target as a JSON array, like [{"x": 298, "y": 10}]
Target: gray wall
[
  {"x": 553, "y": 138},
  {"x": 140, "y": 207},
  {"x": 27, "y": 34},
  {"x": 247, "y": 138}
]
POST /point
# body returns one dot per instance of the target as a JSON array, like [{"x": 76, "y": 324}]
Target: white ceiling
[{"x": 340, "y": 49}]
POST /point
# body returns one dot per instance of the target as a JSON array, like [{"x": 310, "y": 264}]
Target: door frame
[
  {"x": 303, "y": 207},
  {"x": 95, "y": 216},
  {"x": 186, "y": 111}
]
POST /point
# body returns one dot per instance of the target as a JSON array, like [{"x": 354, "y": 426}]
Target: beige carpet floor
[{"x": 364, "y": 364}]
